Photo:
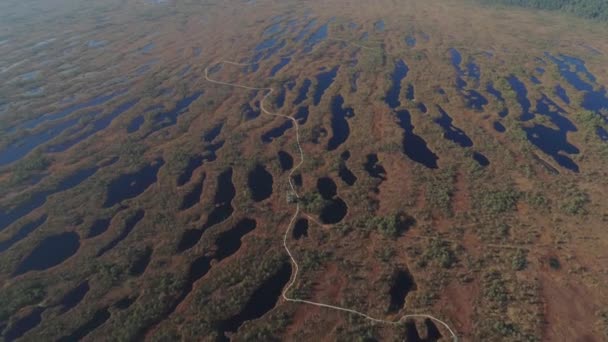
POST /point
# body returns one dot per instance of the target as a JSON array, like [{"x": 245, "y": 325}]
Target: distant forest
[{"x": 594, "y": 9}]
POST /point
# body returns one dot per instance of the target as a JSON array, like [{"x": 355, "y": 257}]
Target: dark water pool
[
  {"x": 335, "y": 208},
  {"x": 339, "y": 123},
  {"x": 494, "y": 92},
  {"x": 166, "y": 119},
  {"x": 125, "y": 303},
  {"x": 327, "y": 188},
  {"x": 553, "y": 142},
  {"x": 302, "y": 92},
  {"x": 596, "y": 101},
  {"x": 346, "y": 175},
  {"x": 131, "y": 185},
  {"x": 456, "y": 59},
  {"x": 98, "y": 227},
  {"x": 432, "y": 333},
  {"x": 199, "y": 267},
  {"x": 7, "y": 217},
  {"x": 22, "y": 233},
  {"x": 135, "y": 124},
  {"x": 194, "y": 162},
  {"x": 223, "y": 199},
  {"x": 276, "y": 68},
  {"x": 285, "y": 160},
  {"x": 96, "y": 101},
  {"x": 402, "y": 284},
  {"x": 279, "y": 99},
  {"x": 547, "y": 107},
  {"x": 229, "y": 242},
  {"x": 95, "y": 126},
  {"x": 269, "y": 51},
  {"x": 51, "y": 251},
  {"x": 260, "y": 183},
  {"x": 422, "y": 107},
  {"x": 74, "y": 297},
  {"x": 23, "y": 325},
  {"x": 25, "y": 145},
  {"x": 213, "y": 133},
  {"x": 130, "y": 224},
  {"x": 272, "y": 29},
  {"x": 481, "y": 159},
  {"x": 139, "y": 265},
  {"x": 297, "y": 179},
  {"x": 300, "y": 229},
  {"x": 574, "y": 71},
  {"x": 473, "y": 70},
  {"x": 324, "y": 81},
  {"x": 451, "y": 132},
  {"x": 399, "y": 73},
  {"x": 189, "y": 239},
  {"x": 499, "y": 127},
  {"x": 374, "y": 168},
  {"x": 193, "y": 196},
  {"x": 276, "y": 132},
  {"x": 602, "y": 134},
  {"x": 99, "y": 318},
  {"x": 379, "y": 25},
  {"x": 249, "y": 113},
  {"x": 146, "y": 49},
  {"x": 474, "y": 99},
  {"x": 413, "y": 145},
  {"x": 319, "y": 35},
  {"x": 410, "y": 41},
  {"x": 411, "y": 332},
  {"x": 302, "y": 115},
  {"x": 562, "y": 94},
  {"x": 222, "y": 210},
  {"x": 306, "y": 30},
  {"x": 577, "y": 75},
  {"x": 261, "y": 301},
  {"x": 410, "y": 95}
]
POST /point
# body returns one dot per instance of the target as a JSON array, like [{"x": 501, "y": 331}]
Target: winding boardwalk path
[{"x": 296, "y": 214}]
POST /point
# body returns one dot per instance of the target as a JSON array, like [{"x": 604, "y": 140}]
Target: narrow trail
[{"x": 296, "y": 214}]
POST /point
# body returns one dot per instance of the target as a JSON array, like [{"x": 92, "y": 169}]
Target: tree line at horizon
[{"x": 592, "y": 9}]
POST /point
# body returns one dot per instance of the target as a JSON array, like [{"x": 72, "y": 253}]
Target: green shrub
[
  {"x": 440, "y": 252},
  {"x": 177, "y": 161},
  {"x": 494, "y": 288},
  {"x": 496, "y": 202},
  {"x": 26, "y": 168},
  {"x": 392, "y": 225},
  {"x": 519, "y": 261},
  {"x": 504, "y": 329},
  {"x": 537, "y": 200},
  {"x": 312, "y": 202},
  {"x": 440, "y": 189},
  {"x": 14, "y": 298},
  {"x": 574, "y": 202},
  {"x": 604, "y": 322}
]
